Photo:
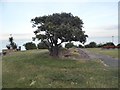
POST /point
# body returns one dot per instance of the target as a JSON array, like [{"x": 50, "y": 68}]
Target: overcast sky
[{"x": 100, "y": 18}]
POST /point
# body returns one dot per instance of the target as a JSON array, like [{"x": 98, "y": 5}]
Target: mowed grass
[
  {"x": 111, "y": 52},
  {"x": 36, "y": 69}
]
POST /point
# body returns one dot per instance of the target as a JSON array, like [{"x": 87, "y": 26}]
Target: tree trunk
[{"x": 54, "y": 51}]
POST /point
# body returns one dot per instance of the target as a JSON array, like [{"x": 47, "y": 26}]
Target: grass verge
[{"x": 111, "y": 52}]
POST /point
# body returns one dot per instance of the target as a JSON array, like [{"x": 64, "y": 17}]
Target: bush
[
  {"x": 80, "y": 46},
  {"x": 69, "y": 45},
  {"x": 41, "y": 45},
  {"x": 100, "y": 45},
  {"x": 75, "y": 46},
  {"x": 91, "y": 45},
  {"x": 87, "y": 46},
  {"x": 30, "y": 46},
  {"x": 13, "y": 45},
  {"x": 118, "y": 44},
  {"x": 109, "y": 44},
  {"x": 8, "y": 46}
]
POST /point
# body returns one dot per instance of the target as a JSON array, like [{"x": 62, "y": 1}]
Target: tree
[
  {"x": 109, "y": 44},
  {"x": 91, "y": 45},
  {"x": 118, "y": 44},
  {"x": 99, "y": 45},
  {"x": 80, "y": 46},
  {"x": 58, "y": 28},
  {"x": 69, "y": 45},
  {"x": 12, "y": 44},
  {"x": 87, "y": 46},
  {"x": 42, "y": 45},
  {"x": 8, "y": 46},
  {"x": 30, "y": 46}
]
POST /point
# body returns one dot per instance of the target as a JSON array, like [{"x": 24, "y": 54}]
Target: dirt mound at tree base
[{"x": 73, "y": 53}]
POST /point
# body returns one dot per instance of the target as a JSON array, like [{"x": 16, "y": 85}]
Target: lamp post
[
  {"x": 112, "y": 38},
  {"x": 10, "y": 35}
]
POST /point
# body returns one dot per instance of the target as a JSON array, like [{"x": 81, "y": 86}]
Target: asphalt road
[{"x": 109, "y": 61}]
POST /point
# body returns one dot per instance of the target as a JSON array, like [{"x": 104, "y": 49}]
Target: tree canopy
[
  {"x": 30, "y": 46},
  {"x": 41, "y": 45},
  {"x": 118, "y": 44},
  {"x": 91, "y": 45},
  {"x": 69, "y": 45},
  {"x": 109, "y": 44},
  {"x": 12, "y": 44},
  {"x": 58, "y": 28}
]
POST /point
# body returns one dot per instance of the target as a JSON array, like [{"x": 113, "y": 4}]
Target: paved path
[{"x": 112, "y": 62}]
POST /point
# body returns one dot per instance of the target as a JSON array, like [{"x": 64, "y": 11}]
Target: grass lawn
[
  {"x": 111, "y": 52},
  {"x": 36, "y": 69}
]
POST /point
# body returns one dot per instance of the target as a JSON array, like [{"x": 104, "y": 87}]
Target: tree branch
[{"x": 60, "y": 42}]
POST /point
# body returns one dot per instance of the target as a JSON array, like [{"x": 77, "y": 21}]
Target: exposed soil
[{"x": 83, "y": 54}]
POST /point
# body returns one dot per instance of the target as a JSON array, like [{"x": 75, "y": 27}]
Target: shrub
[
  {"x": 118, "y": 44},
  {"x": 30, "y": 46},
  {"x": 8, "y": 46},
  {"x": 41, "y": 45},
  {"x": 109, "y": 44},
  {"x": 91, "y": 45},
  {"x": 69, "y": 45},
  {"x": 100, "y": 45},
  {"x": 80, "y": 46},
  {"x": 75, "y": 46},
  {"x": 13, "y": 45}
]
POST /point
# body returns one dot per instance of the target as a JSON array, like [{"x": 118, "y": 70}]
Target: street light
[{"x": 112, "y": 38}]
